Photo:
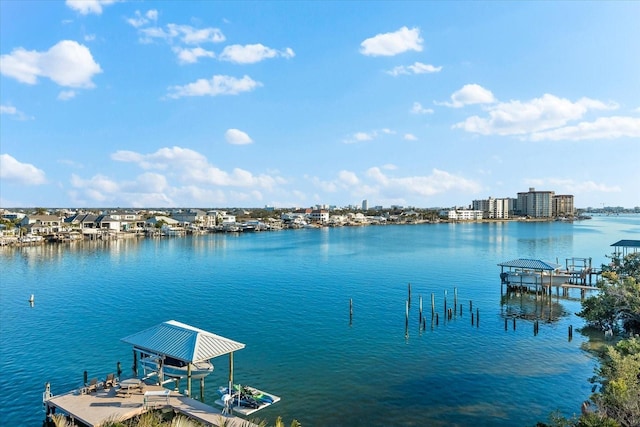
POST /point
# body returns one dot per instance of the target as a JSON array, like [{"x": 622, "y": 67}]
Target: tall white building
[
  {"x": 365, "y": 205},
  {"x": 493, "y": 208}
]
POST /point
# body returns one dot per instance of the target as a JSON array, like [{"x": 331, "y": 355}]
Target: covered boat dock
[
  {"x": 119, "y": 399},
  {"x": 534, "y": 275}
]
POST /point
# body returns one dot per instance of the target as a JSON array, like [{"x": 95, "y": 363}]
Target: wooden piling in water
[
  {"x": 445, "y": 303},
  {"x": 433, "y": 304},
  {"x": 570, "y": 332},
  {"x": 420, "y": 316},
  {"x": 350, "y": 311},
  {"x": 505, "y": 324},
  {"x": 470, "y": 305},
  {"x": 514, "y": 323},
  {"x": 437, "y": 321},
  {"x": 471, "y": 318},
  {"x": 455, "y": 297},
  {"x": 409, "y": 292},
  {"x": 477, "y": 317}
]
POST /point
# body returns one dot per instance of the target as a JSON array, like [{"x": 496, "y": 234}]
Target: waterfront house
[{"x": 42, "y": 224}]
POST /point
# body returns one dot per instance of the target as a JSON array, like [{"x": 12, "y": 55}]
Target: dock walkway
[{"x": 93, "y": 409}]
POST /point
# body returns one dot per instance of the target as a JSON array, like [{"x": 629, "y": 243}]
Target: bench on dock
[{"x": 156, "y": 398}]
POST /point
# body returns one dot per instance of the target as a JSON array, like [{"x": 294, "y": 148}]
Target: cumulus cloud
[
  {"x": 437, "y": 182},
  {"x": 237, "y": 137},
  {"x": 410, "y": 137},
  {"x": 86, "y": 7},
  {"x": 348, "y": 177},
  {"x": 538, "y": 114},
  {"x": 217, "y": 85},
  {"x": 68, "y": 63},
  {"x": 191, "y": 167},
  {"x": 469, "y": 94},
  {"x": 417, "y": 108},
  {"x": 389, "y": 44},
  {"x": 15, "y": 171},
  {"x": 416, "y": 68},
  {"x": 252, "y": 53},
  {"x": 191, "y": 55}
]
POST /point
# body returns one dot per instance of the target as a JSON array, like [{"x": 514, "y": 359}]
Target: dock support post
[
  {"x": 433, "y": 304},
  {"x": 420, "y": 315},
  {"x": 202, "y": 390},
  {"x": 455, "y": 298}
]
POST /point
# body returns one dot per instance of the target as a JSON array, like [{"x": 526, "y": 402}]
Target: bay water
[{"x": 286, "y": 295}]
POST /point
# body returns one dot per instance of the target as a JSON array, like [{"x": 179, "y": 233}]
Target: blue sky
[{"x": 292, "y": 104}]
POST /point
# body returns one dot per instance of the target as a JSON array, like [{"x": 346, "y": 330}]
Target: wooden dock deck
[{"x": 93, "y": 409}]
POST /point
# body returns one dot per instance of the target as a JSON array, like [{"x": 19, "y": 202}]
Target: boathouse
[
  {"x": 120, "y": 399},
  {"x": 625, "y": 247},
  {"x": 183, "y": 343}
]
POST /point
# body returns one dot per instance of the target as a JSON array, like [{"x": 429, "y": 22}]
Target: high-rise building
[
  {"x": 536, "y": 204},
  {"x": 563, "y": 205},
  {"x": 365, "y": 205}
]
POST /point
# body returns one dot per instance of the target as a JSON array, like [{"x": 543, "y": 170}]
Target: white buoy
[{"x": 31, "y": 298}]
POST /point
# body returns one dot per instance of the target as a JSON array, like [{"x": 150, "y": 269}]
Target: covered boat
[{"x": 175, "y": 368}]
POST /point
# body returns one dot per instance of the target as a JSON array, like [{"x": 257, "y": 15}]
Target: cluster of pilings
[{"x": 449, "y": 313}]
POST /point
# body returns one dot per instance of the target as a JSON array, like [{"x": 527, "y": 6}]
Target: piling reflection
[{"x": 531, "y": 306}]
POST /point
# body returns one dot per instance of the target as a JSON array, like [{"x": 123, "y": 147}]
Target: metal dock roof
[
  {"x": 531, "y": 264},
  {"x": 182, "y": 342}
]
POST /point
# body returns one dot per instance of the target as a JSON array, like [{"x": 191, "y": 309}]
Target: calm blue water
[{"x": 286, "y": 296}]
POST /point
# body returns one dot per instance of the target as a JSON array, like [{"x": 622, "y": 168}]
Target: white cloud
[
  {"x": 13, "y": 112},
  {"x": 416, "y": 68},
  {"x": 191, "y": 56},
  {"x": 601, "y": 128},
  {"x": 570, "y": 186},
  {"x": 367, "y": 136},
  {"x": 68, "y": 63},
  {"x": 183, "y": 33},
  {"x": 410, "y": 137},
  {"x": 348, "y": 178},
  {"x": 470, "y": 94},
  {"x": 417, "y": 108},
  {"x": 85, "y": 7},
  {"x": 217, "y": 85},
  {"x": 140, "y": 20},
  {"x": 252, "y": 53},
  {"x": 438, "y": 182},
  {"x": 237, "y": 137},
  {"x": 13, "y": 170},
  {"x": 66, "y": 95},
  {"x": 538, "y": 114},
  {"x": 191, "y": 167},
  {"x": 389, "y": 44}
]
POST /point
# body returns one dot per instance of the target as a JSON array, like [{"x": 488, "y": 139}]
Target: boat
[{"x": 175, "y": 368}]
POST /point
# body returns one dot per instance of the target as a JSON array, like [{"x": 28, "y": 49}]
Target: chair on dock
[
  {"x": 93, "y": 385},
  {"x": 110, "y": 381}
]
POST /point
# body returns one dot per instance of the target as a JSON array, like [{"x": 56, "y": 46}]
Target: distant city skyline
[{"x": 292, "y": 104}]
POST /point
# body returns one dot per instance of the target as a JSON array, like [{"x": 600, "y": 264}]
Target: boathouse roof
[
  {"x": 531, "y": 264},
  {"x": 182, "y": 342},
  {"x": 627, "y": 243}
]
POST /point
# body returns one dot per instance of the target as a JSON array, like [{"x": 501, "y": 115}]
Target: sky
[{"x": 140, "y": 104}]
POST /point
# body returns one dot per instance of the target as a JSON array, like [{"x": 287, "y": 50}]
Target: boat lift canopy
[
  {"x": 182, "y": 342},
  {"x": 530, "y": 264}
]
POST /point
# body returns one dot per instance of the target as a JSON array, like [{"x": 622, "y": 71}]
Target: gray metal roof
[
  {"x": 182, "y": 342},
  {"x": 531, "y": 264},
  {"x": 628, "y": 243}
]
